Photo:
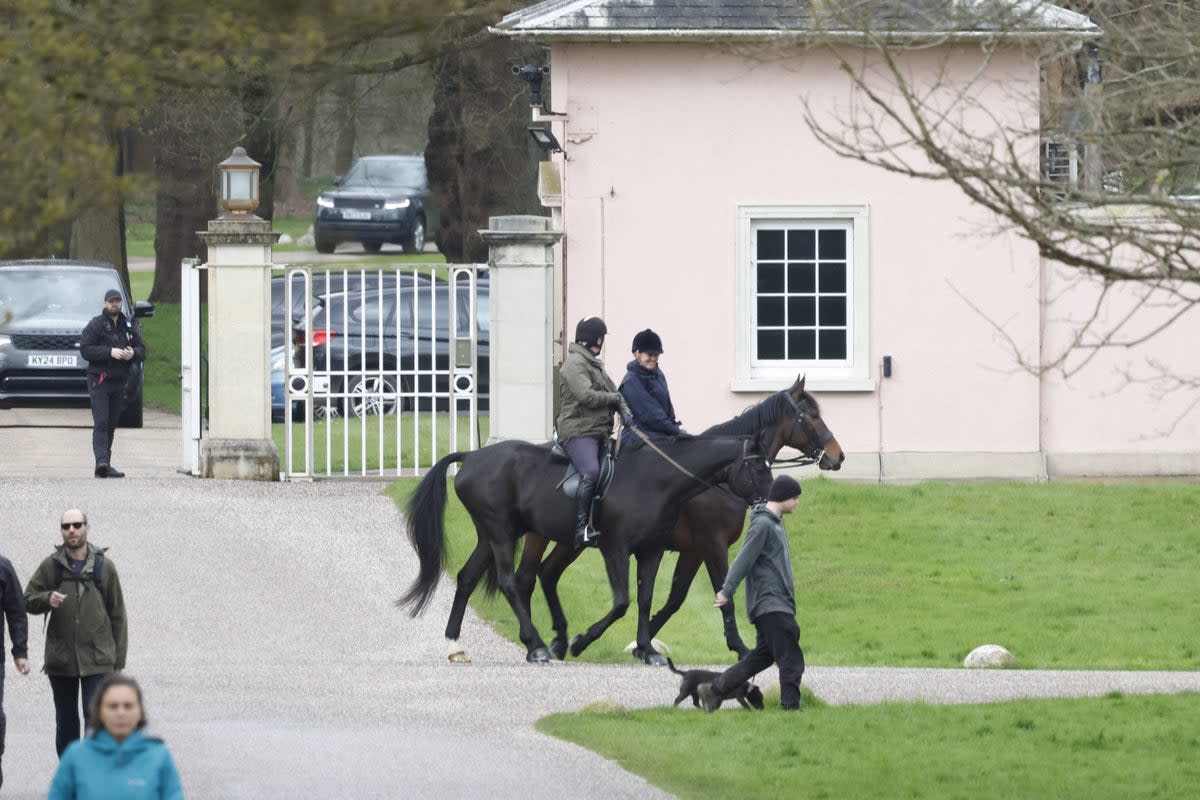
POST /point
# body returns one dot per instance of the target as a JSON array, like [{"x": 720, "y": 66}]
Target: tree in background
[{"x": 480, "y": 158}]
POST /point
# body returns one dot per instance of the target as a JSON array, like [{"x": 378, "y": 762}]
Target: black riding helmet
[
  {"x": 590, "y": 331},
  {"x": 647, "y": 341}
]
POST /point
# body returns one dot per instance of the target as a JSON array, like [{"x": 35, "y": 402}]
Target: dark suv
[
  {"x": 381, "y": 200},
  {"x": 44, "y": 306},
  {"x": 364, "y": 343}
]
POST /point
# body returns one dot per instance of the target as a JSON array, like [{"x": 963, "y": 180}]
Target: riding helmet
[
  {"x": 647, "y": 341},
  {"x": 590, "y": 331}
]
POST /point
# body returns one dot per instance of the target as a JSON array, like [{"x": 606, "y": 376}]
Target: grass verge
[
  {"x": 346, "y": 444},
  {"x": 1064, "y": 575},
  {"x": 1112, "y": 747}
]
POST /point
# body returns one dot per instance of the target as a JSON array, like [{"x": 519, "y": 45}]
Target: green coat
[
  {"x": 85, "y": 635},
  {"x": 587, "y": 396}
]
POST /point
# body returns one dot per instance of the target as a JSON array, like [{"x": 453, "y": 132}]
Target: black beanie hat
[
  {"x": 647, "y": 341},
  {"x": 590, "y": 331},
  {"x": 783, "y": 488}
]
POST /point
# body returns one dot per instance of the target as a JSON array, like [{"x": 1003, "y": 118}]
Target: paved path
[{"x": 275, "y": 665}]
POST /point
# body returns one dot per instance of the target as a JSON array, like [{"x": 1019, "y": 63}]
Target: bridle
[
  {"x": 817, "y": 452},
  {"x": 747, "y": 456}
]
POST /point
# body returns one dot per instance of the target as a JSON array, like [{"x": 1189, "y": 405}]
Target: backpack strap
[{"x": 60, "y": 575}]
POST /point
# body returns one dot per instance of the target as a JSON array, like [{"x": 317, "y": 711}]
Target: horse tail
[{"x": 425, "y": 522}]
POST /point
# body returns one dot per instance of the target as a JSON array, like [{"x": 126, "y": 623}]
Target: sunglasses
[{"x": 68, "y": 525}]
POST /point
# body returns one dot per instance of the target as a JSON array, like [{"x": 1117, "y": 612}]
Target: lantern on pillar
[{"x": 239, "y": 183}]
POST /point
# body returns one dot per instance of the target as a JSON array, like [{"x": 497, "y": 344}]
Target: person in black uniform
[{"x": 111, "y": 344}]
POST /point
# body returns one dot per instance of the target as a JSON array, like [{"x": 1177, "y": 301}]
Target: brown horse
[{"x": 708, "y": 524}]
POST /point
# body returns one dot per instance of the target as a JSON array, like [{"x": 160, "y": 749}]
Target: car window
[
  {"x": 376, "y": 172},
  {"x": 55, "y": 292}
]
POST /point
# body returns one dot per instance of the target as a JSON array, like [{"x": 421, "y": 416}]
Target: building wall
[{"x": 665, "y": 141}]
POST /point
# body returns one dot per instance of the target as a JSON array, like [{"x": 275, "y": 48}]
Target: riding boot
[{"x": 583, "y": 512}]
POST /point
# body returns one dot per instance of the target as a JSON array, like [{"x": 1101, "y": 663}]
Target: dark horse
[
  {"x": 709, "y": 523},
  {"x": 510, "y": 488}
]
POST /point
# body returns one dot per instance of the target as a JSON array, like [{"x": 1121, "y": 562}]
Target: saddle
[{"x": 569, "y": 485}]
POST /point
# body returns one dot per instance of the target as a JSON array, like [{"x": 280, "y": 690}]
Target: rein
[{"x": 649, "y": 443}]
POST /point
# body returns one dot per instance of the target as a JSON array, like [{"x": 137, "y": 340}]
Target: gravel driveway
[{"x": 262, "y": 628}]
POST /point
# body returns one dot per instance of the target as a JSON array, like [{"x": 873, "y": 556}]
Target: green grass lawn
[
  {"x": 1064, "y": 575},
  {"x": 1112, "y": 747},
  {"x": 367, "y": 442}
]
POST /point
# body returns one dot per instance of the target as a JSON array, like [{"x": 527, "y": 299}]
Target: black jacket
[
  {"x": 100, "y": 336},
  {"x": 650, "y": 401},
  {"x": 12, "y": 599}
]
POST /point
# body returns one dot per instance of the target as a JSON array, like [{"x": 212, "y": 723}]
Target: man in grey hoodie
[{"x": 765, "y": 561}]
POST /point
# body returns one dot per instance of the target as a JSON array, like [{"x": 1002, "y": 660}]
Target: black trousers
[
  {"x": 66, "y": 690},
  {"x": 107, "y": 405},
  {"x": 778, "y": 643}
]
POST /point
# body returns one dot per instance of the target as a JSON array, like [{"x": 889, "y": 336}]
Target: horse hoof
[
  {"x": 459, "y": 657},
  {"x": 654, "y": 660},
  {"x": 578, "y": 645},
  {"x": 638, "y": 653},
  {"x": 538, "y": 655},
  {"x": 558, "y": 649}
]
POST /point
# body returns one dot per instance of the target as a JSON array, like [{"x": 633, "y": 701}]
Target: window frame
[{"x": 855, "y": 376}]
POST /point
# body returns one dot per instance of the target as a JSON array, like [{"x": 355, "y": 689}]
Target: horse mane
[{"x": 760, "y": 415}]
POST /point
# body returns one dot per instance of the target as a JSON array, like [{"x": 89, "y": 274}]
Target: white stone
[
  {"x": 285, "y": 239},
  {"x": 658, "y": 644},
  {"x": 988, "y": 656},
  {"x": 307, "y": 239}
]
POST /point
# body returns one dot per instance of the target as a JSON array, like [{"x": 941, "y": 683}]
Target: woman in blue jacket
[
  {"x": 644, "y": 388},
  {"x": 119, "y": 760}
]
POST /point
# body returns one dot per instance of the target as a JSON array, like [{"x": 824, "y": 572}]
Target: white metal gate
[{"x": 378, "y": 371}]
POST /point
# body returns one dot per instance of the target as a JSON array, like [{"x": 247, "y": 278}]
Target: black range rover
[
  {"x": 381, "y": 200},
  {"x": 44, "y": 306}
]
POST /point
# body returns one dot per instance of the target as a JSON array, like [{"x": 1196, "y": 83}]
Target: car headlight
[
  {"x": 392, "y": 205},
  {"x": 325, "y": 202},
  {"x": 4, "y": 340}
]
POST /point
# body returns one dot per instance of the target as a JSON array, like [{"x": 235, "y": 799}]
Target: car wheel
[
  {"x": 416, "y": 242},
  {"x": 371, "y": 394},
  {"x": 372, "y": 247},
  {"x": 324, "y": 244}
]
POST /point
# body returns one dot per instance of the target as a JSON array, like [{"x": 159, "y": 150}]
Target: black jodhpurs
[
  {"x": 107, "y": 405},
  {"x": 584, "y": 452},
  {"x": 778, "y": 643}
]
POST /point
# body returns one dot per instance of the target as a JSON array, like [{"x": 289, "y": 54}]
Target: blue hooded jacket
[
  {"x": 650, "y": 401},
  {"x": 98, "y": 768}
]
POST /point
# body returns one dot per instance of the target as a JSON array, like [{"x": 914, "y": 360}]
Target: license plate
[
  {"x": 51, "y": 361},
  {"x": 353, "y": 213}
]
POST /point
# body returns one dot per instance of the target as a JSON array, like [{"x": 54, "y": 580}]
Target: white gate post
[
  {"x": 239, "y": 443},
  {"x": 189, "y": 362},
  {"x": 521, "y": 269}
]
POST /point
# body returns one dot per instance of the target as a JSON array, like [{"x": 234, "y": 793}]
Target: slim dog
[{"x": 748, "y": 695}]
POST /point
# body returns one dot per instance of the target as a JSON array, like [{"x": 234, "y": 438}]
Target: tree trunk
[
  {"x": 343, "y": 150},
  {"x": 184, "y": 204}
]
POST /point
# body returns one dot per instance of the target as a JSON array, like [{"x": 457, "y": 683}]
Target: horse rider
[
  {"x": 588, "y": 398},
  {"x": 644, "y": 387}
]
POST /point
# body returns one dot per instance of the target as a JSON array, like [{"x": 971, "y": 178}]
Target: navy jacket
[{"x": 650, "y": 401}]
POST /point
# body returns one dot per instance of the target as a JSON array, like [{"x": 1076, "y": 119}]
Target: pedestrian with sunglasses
[{"x": 86, "y": 637}]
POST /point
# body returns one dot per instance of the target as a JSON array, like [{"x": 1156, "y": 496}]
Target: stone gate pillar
[
  {"x": 521, "y": 261},
  {"x": 238, "y": 443}
]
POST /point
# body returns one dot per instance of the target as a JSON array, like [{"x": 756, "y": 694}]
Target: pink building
[{"x": 696, "y": 200}]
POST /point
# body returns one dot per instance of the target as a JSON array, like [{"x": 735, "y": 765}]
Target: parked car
[
  {"x": 381, "y": 200},
  {"x": 284, "y": 319},
  {"x": 345, "y": 340},
  {"x": 44, "y": 306}
]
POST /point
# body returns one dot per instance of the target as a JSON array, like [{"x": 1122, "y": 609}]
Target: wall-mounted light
[{"x": 544, "y": 139}]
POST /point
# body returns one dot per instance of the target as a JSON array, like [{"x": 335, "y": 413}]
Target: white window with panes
[{"x": 802, "y": 297}]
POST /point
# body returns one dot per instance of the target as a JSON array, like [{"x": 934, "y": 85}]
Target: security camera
[{"x": 533, "y": 76}]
